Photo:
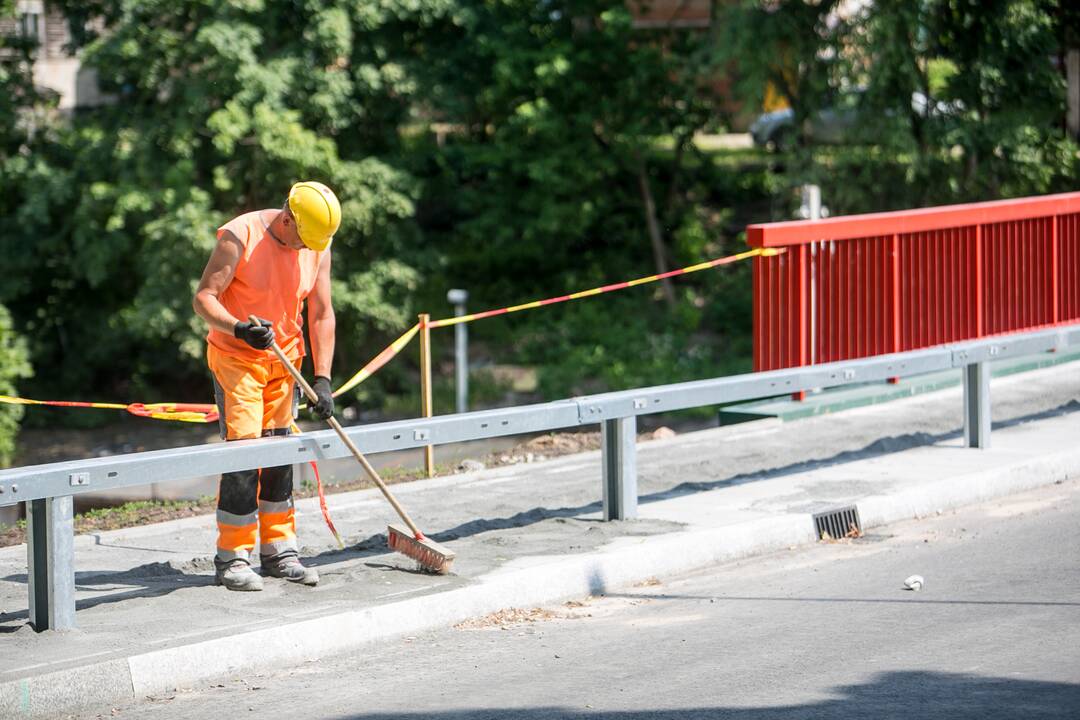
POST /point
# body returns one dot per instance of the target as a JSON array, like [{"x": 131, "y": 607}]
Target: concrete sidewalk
[{"x": 150, "y": 619}]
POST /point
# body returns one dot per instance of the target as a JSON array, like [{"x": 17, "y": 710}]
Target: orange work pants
[{"x": 255, "y": 399}]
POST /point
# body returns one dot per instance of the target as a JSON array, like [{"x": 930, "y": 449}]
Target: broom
[{"x": 428, "y": 554}]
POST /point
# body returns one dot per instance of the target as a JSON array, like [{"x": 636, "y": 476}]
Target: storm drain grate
[{"x": 838, "y": 523}]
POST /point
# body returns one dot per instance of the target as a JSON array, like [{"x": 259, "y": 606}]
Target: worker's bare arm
[
  {"x": 215, "y": 278},
  {"x": 321, "y": 322}
]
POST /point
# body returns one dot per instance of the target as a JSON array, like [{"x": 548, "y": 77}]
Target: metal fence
[
  {"x": 48, "y": 489},
  {"x": 862, "y": 285}
]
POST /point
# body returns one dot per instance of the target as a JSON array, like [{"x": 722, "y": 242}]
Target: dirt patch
[
  {"x": 543, "y": 447},
  {"x": 554, "y": 445},
  {"x": 508, "y": 618},
  {"x": 517, "y": 617}
]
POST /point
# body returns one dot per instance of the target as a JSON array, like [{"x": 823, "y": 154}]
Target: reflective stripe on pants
[{"x": 255, "y": 506}]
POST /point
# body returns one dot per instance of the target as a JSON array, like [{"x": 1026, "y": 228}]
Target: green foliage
[
  {"x": 14, "y": 365},
  {"x": 964, "y": 102},
  {"x": 556, "y": 108},
  {"x": 21, "y": 104},
  {"x": 558, "y": 102},
  {"x": 938, "y": 73},
  {"x": 613, "y": 345},
  {"x": 558, "y": 124},
  {"x": 220, "y": 107},
  {"x": 791, "y": 46}
]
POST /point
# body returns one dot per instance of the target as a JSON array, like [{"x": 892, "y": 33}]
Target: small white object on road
[{"x": 915, "y": 582}]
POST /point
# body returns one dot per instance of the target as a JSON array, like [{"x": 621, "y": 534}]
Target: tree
[
  {"x": 970, "y": 88},
  {"x": 14, "y": 364},
  {"x": 219, "y": 108},
  {"x": 561, "y": 105},
  {"x": 1010, "y": 132},
  {"x": 791, "y": 46}
]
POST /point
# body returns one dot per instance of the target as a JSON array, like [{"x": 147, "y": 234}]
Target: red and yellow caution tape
[
  {"x": 207, "y": 413},
  {"x": 379, "y": 360},
  {"x": 179, "y": 412},
  {"x": 606, "y": 288}
]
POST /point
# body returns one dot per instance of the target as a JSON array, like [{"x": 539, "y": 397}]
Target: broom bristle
[{"x": 430, "y": 555}]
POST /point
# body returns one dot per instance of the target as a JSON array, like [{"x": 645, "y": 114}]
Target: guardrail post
[
  {"x": 298, "y": 477},
  {"x": 977, "y": 405},
  {"x": 617, "y": 440},
  {"x": 50, "y": 555}
]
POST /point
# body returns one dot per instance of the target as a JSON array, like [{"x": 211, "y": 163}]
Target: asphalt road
[{"x": 814, "y": 632}]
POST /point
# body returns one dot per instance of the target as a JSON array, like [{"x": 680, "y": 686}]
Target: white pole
[{"x": 458, "y": 298}]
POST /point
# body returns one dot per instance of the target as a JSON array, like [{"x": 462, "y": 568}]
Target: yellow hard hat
[{"x": 317, "y": 213}]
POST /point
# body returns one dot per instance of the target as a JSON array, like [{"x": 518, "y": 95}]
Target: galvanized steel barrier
[
  {"x": 863, "y": 285},
  {"x": 48, "y": 489}
]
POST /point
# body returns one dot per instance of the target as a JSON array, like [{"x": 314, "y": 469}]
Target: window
[{"x": 29, "y": 25}]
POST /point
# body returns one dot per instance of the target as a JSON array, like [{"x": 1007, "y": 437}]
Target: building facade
[{"x": 55, "y": 68}]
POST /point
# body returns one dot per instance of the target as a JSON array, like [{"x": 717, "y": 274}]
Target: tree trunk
[
  {"x": 681, "y": 141},
  {"x": 656, "y": 238}
]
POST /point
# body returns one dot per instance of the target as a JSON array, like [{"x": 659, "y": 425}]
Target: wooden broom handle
[{"x": 332, "y": 421}]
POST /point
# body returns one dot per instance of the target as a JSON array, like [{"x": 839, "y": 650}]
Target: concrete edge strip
[
  {"x": 54, "y": 692},
  {"x": 968, "y": 489}
]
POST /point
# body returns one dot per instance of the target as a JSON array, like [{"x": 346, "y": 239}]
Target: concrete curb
[
  {"x": 66, "y": 690},
  {"x": 535, "y": 582},
  {"x": 968, "y": 489},
  {"x": 527, "y": 582}
]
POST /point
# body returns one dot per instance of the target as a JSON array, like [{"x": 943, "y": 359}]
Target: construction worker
[{"x": 267, "y": 263}]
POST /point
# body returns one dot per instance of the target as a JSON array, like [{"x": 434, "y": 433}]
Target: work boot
[
  {"x": 287, "y": 565},
  {"x": 237, "y": 575}
]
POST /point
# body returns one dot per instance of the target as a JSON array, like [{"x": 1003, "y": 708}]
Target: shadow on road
[
  {"x": 899, "y": 695},
  {"x": 881, "y": 446}
]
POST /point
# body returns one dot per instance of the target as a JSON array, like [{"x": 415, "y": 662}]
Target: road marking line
[
  {"x": 56, "y": 662},
  {"x": 405, "y": 592},
  {"x": 489, "y": 481},
  {"x": 219, "y": 628},
  {"x": 571, "y": 468}
]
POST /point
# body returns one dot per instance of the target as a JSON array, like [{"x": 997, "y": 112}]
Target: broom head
[{"x": 428, "y": 554}]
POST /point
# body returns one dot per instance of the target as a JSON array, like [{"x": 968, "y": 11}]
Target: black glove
[
  {"x": 258, "y": 337},
  {"x": 324, "y": 406}
]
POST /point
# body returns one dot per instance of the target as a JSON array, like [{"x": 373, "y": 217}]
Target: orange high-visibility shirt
[{"x": 271, "y": 281}]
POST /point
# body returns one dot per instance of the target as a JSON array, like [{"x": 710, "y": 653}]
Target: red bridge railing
[{"x": 862, "y": 285}]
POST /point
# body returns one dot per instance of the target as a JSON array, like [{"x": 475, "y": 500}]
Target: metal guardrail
[{"x": 48, "y": 489}]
